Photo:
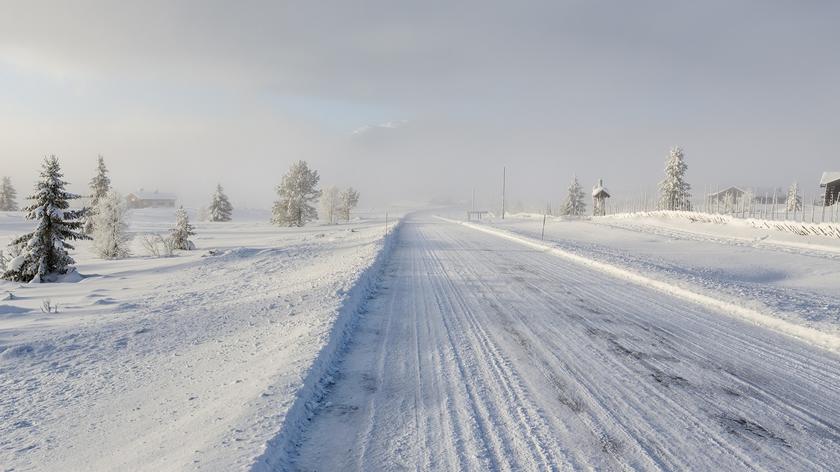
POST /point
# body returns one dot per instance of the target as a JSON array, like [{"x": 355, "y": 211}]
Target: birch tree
[{"x": 297, "y": 193}]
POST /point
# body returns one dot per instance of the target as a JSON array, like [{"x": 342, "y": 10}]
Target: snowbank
[{"x": 320, "y": 375}]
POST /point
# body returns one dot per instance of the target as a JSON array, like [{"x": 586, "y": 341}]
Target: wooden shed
[{"x": 830, "y": 181}]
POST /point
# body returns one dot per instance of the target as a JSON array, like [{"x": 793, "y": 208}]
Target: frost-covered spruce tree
[
  {"x": 8, "y": 194},
  {"x": 674, "y": 191},
  {"x": 100, "y": 185},
  {"x": 42, "y": 253},
  {"x": 574, "y": 204},
  {"x": 220, "y": 208},
  {"x": 794, "y": 200},
  {"x": 349, "y": 199},
  {"x": 329, "y": 204},
  {"x": 182, "y": 231},
  {"x": 296, "y": 194},
  {"x": 110, "y": 229}
]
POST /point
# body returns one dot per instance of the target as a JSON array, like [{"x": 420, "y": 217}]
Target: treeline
[{"x": 42, "y": 254}]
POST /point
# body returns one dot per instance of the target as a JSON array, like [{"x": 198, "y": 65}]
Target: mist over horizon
[{"x": 414, "y": 102}]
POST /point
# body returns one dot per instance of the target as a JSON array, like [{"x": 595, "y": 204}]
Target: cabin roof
[
  {"x": 730, "y": 189},
  {"x": 142, "y": 195},
  {"x": 829, "y": 177}
]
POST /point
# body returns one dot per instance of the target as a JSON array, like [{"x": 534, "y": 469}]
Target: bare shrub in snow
[
  {"x": 349, "y": 198},
  {"x": 182, "y": 231},
  {"x": 674, "y": 191},
  {"x": 47, "y": 306},
  {"x": 296, "y": 194},
  {"x": 329, "y": 204},
  {"x": 110, "y": 230},
  {"x": 43, "y": 252},
  {"x": 156, "y": 245}
]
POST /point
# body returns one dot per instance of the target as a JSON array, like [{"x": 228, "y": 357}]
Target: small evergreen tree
[
  {"x": 220, "y": 207},
  {"x": 794, "y": 200},
  {"x": 675, "y": 192},
  {"x": 100, "y": 185},
  {"x": 574, "y": 204},
  {"x": 8, "y": 194},
  {"x": 182, "y": 231},
  {"x": 349, "y": 198},
  {"x": 297, "y": 192},
  {"x": 43, "y": 252},
  {"x": 329, "y": 204},
  {"x": 110, "y": 236}
]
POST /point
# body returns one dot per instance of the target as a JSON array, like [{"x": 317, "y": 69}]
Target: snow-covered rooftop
[
  {"x": 598, "y": 188},
  {"x": 727, "y": 190},
  {"x": 143, "y": 195},
  {"x": 829, "y": 177}
]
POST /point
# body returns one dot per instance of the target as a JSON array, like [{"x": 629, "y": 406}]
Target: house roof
[
  {"x": 829, "y": 177},
  {"x": 142, "y": 195},
  {"x": 727, "y": 190}
]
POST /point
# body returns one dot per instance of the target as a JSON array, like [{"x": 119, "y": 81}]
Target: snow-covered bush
[
  {"x": 110, "y": 230},
  {"x": 43, "y": 252},
  {"x": 574, "y": 204},
  {"x": 100, "y": 185},
  {"x": 8, "y": 194},
  {"x": 296, "y": 194},
  {"x": 674, "y": 191},
  {"x": 794, "y": 200},
  {"x": 349, "y": 198},
  {"x": 182, "y": 231},
  {"x": 220, "y": 207}
]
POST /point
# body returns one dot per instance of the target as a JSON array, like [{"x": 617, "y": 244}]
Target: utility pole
[
  {"x": 504, "y": 182},
  {"x": 473, "y": 200}
]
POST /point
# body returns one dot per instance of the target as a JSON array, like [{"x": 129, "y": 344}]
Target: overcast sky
[{"x": 410, "y": 100}]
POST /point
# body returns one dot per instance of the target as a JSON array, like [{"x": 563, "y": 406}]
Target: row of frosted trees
[
  {"x": 42, "y": 255},
  {"x": 674, "y": 193}
]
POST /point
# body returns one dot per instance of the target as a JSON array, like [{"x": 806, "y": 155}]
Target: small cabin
[
  {"x": 830, "y": 181},
  {"x": 727, "y": 195},
  {"x": 600, "y": 194},
  {"x": 143, "y": 199}
]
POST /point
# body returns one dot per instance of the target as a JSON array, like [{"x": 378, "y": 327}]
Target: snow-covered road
[{"x": 478, "y": 353}]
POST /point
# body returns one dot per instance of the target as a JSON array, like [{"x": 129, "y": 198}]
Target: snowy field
[
  {"x": 442, "y": 346},
  {"x": 190, "y": 362}
]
